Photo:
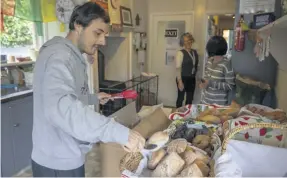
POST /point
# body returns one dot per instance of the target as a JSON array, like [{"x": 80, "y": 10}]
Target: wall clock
[{"x": 64, "y": 9}]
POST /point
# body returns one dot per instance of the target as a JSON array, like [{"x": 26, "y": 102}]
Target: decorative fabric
[{"x": 265, "y": 136}]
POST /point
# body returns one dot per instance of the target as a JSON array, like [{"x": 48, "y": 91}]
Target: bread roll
[
  {"x": 170, "y": 166},
  {"x": 201, "y": 141},
  {"x": 203, "y": 167},
  {"x": 156, "y": 157},
  {"x": 130, "y": 161},
  {"x": 191, "y": 170},
  {"x": 158, "y": 138},
  {"x": 189, "y": 157},
  {"x": 202, "y": 157},
  {"x": 177, "y": 145},
  {"x": 210, "y": 119},
  {"x": 231, "y": 112}
]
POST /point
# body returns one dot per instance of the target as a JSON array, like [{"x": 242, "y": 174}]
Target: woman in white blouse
[{"x": 186, "y": 67}]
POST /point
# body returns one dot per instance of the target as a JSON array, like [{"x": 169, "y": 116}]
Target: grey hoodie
[{"x": 64, "y": 125}]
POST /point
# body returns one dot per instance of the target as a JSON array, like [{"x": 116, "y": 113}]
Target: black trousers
[
  {"x": 41, "y": 171},
  {"x": 189, "y": 87}
]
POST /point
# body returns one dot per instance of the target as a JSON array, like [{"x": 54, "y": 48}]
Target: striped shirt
[{"x": 221, "y": 81}]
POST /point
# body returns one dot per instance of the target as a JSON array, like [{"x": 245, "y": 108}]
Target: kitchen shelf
[{"x": 17, "y": 63}]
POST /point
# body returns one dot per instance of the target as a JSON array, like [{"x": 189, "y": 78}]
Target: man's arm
[{"x": 65, "y": 111}]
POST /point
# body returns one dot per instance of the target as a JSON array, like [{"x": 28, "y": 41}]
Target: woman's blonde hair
[{"x": 187, "y": 34}]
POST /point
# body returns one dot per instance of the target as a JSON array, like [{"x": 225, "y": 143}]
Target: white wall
[{"x": 200, "y": 9}]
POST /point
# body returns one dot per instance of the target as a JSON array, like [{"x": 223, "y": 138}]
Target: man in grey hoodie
[{"x": 64, "y": 125}]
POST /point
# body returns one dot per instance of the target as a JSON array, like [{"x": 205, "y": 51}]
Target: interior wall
[
  {"x": 226, "y": 23},
  {"x": 116, "y": 58},
  {"x": 247, "y": 64},
  {"x": 140, "y": 7},
  {"x": 281, "y": 89},
  {"x": 200, "y": 8}
]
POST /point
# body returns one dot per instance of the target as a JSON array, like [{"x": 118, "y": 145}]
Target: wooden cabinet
[{"x": 16, "y": 135}]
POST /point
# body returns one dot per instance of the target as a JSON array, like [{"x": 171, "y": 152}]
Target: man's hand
[
  {"x": 180, "y": 85},
  {"x": 104, "y": 98},
  {"x": 204, "y": 84},
  {"x": 135, "y": 143}
]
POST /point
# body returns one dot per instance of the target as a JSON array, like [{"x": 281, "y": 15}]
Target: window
[{"x": 17, "y": 39}]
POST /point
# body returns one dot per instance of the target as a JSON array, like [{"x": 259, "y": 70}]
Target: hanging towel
[
  {"x": 48, "y": 8},
  {"x": 30, "y": 10},
  {"x": 7, "y": 7}
]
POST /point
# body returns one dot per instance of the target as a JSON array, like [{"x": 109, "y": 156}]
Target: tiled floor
[{"x": 92, "y": 166}]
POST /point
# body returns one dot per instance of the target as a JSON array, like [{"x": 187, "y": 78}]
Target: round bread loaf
[
  {"x": 177, "y": 145},
  {"x": 158, "y": 138},
  {"x": 131, "y": 161},
  {"x": 170, "y": 166},
  {"x": 156, "y": 157},
  {"x": 189, "y": 157},
  {"x": 191, "y": 170},
  {"x": 201, "y": 141},
  {"x": 203, "y": 167}
]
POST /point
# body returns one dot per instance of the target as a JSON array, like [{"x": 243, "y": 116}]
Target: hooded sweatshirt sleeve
[{"x": 65, "y": 111}]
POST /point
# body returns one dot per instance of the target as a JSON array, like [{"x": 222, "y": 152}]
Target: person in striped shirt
[{"x": 219, "y": 78}]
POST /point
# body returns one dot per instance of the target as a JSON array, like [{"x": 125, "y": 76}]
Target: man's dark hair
[
  {"x": 84, "y": 14},
  {"x": 216, "y": 46}
]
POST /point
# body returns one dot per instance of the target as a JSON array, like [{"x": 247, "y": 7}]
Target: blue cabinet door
[
  {"x": 7, "y": 151},
  {"x": 22, "y": 117}
]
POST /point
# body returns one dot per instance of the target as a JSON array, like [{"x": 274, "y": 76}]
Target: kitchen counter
[{"x": 16, "y": 95}]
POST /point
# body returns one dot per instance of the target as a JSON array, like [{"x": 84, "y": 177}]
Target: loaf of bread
[
  {"x": 170, "y": 166},
  {"x": 177, "y": 145},
  {"x": 231, "y": 112},
  {"x": 212, "y": 119},
  {"x": 131, "y": 161},
  {"x": 203, "y": 167},
  {"x": 158, "y": 138},
  {"x": 191, "y": 170},
  {"x": 202, "y": 157},
  {"x": 201, "y": 141},
  {"x": 155, "y": 158},
  {"x": 189, "y": 157}
]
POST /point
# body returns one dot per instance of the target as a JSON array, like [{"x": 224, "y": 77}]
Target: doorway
[
  {"x": 222, "y": 25},
  {"x": 165, "y": 31}
]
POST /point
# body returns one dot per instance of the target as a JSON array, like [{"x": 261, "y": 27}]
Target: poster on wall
[
  {"x": 114, "y": 11},
  {"x": 171, "y": 36},
  {"x": 254, "y": 6},
  {"x": 102, "y": 3},
  {"x": 170, "y": 56}
]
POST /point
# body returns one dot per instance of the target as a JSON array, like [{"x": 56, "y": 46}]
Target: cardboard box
[{"x": 112, "y": 153}]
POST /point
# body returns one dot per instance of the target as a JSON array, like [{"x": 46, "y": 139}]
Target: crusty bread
[
  {"x": 170, "y": 166},
  {"x": 189, "y": 157},
  {"x": 158, "y": 137},
  {"x": 191, "y": 170},
  {"x": 177, "y": 145},
  {"x": 130, "y": 161},
  {"x": 210, "y": 119},
  {"x": 201, "y": 141},
  {"x": 156, "y": 157},
  {"x": 203, "y": 167}
]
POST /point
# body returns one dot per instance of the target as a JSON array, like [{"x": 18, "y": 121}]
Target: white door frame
[
  {"x": 208, "y": 13},
  {"x": 151, "y": 29}
]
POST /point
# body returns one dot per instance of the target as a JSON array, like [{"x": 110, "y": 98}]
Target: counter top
[{"x": 16, "y": 95}]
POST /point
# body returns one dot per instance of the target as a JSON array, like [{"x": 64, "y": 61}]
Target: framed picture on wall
[{"x": 126, "y": 16}]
